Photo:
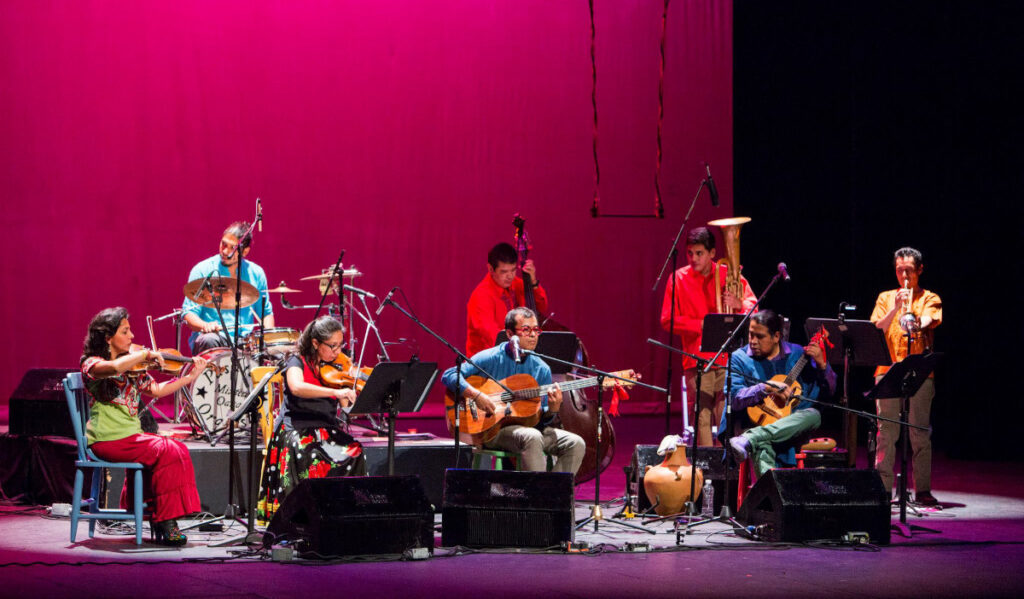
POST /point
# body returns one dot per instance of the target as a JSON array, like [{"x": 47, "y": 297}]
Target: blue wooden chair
[{"x": 78, "y": 406}]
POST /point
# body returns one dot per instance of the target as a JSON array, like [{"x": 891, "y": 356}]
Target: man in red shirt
[
  {"x": 695, "y": 297},
  {"x": 498, "y": 292}
]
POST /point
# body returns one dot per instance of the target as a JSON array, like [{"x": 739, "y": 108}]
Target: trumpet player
[{"x": 908, "y": 316}]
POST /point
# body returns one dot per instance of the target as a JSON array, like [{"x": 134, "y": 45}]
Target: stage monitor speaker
[
  {"x": 364, "y": 515},
  {"x": 502, "y": 508},
  {"x": 38, "y": 405},
  {"x": 709, "y": 460},
  {"x": 803, "y": 505}
]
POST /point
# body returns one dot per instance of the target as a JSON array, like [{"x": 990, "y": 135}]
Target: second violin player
[{"x": 309, "y": 441}]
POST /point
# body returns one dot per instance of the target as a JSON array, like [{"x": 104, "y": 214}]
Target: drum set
[{"x": 206, "y": 403}]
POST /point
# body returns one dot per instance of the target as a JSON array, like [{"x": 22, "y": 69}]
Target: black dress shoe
[{"x": 925, "y": 498}]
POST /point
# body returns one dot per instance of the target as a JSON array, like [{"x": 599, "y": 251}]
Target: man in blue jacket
[{"x": 765, "y": 356}]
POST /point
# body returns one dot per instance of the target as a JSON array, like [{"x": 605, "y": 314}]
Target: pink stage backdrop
[{"x": 407, "y": 133}]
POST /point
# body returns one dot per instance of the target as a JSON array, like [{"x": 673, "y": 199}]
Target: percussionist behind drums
[{"x": 203, "y": 319}]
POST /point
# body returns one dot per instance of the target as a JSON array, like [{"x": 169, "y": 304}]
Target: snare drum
[
  {"x": 210, "y": 394},
  {"x": 279, "y": 341}
]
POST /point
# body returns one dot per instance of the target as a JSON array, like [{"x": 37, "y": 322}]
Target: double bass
[{"x": 579, "y": 412}]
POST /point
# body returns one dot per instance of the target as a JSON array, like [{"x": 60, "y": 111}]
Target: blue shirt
[
  {"x": 252, "y": 273},
  {"x": 747, "y": 392},
  {"x": 500, "y": 365}
]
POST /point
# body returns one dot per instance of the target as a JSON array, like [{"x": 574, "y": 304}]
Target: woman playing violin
[
  {"x": 308, "y": 441},
  {"x": 114, "y": 432}
]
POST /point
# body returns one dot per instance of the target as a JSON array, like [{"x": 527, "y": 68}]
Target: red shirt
[
  {"x": 695, "y": 297},
  {"x": 487, "y": 307}
]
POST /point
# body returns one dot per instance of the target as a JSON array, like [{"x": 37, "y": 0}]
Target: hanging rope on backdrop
[{"x": 659, "y": 208}]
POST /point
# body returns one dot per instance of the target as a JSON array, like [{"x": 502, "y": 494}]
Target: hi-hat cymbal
[
  {"x": 282, "y": 288},
  {"x": 348, "y": 272},
  {"x": 225, "y": 286}
]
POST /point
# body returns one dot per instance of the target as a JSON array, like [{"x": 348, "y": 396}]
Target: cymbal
[
  {"x": 348, "y": 272},
  {"x": 282, "y": 288},
  {"x": 226, "y": 287}
]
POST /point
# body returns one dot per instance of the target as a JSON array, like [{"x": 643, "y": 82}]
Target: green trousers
[{"x": 765, "y": 439}]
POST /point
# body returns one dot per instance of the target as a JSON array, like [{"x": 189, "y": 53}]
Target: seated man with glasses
[{"x": 532, "y": 443}]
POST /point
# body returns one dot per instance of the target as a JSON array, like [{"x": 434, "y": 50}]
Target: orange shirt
[
  {"x": 695, "y": 298},
  {"x": 925, "y": 303},
  {"x": 487, "y": 307}
]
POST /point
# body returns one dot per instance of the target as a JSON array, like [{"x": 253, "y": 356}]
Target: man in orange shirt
[
  {"x": 889, "y": 308},
  {"x": 695, "y": 296},
  {"x": 498, "y": 292}
]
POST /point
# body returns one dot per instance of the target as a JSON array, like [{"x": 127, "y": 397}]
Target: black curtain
[{"x": 861, "y": 127}]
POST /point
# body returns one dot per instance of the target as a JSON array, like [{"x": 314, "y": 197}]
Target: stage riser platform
[{"x": 41, "y": 469}]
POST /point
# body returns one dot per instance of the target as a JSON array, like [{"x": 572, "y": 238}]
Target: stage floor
[{"x": 979, "y": 551}]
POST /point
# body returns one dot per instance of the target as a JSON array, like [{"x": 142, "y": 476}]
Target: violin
[
  {"x": 174, "y": 362},
  {"x": 340, "y": 374}
]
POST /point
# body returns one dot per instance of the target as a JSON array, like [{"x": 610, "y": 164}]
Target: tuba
[{"x": 731, "y": 234}]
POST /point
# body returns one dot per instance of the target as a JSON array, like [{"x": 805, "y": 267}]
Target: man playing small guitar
[
  {"x": 764, "y": 357},
  {"x": 533, "y": 443}
]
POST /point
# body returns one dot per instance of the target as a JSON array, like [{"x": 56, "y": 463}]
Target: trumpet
[{"x": 908, "y": 320}]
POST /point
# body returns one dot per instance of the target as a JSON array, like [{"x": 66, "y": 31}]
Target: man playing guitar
[
  {"x": 532, "y": 443},
  {"x": 764, "y": 357}
]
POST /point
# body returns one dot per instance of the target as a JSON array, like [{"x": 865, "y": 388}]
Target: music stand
[
  {"x": 903, "y": 380},
  {"x": 559, "y": 344},
  {"x": 395, "y": 387},
  {"x": 856, "y": 343}
]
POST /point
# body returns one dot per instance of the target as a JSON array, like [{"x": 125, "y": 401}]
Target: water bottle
[{"x": 708, "y": 508}]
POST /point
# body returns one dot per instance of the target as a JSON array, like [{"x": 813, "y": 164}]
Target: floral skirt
[{"x": 297, "y": 454}]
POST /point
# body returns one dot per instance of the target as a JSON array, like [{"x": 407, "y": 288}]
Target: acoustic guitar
[
  {"x": 522, "y": 406},
  {"x": 773, "y": 407}
]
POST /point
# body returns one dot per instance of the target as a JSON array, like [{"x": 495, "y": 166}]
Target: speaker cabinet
[
  {"x": 354, "y": 516},
  {"x": 709, "y": 460},
  {"x": 501, "y": 508},
  {"x": 801, "y": 505},
  {"x": 38, "y": 405}
]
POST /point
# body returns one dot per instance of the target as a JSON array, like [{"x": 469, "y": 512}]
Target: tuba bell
[{"x": 731, "y": 234}]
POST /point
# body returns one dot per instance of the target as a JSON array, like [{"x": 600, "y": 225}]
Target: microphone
[
  {"x": 358, "y": 291},
  {"x": 783, "y": 272},
  {"x": 712, "y": 190},
  {"x": 513, "y": 342},
  {"x": 259, "y": 214},
  {"x": 387, "y": 300}
]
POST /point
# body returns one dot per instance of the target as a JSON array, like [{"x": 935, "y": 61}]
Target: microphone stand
[
  {"x": 753, "y": 380},
  {"x": 672, "y": 259},
  {"x": 726, "y": 515},
  {"x": 230, "y": 510},
  {"x": 177, "y": 319},
  {"x": 334, "y": 272},
  {"x": 251, "y": 406},
  {"x": 459, "y": 359},
  {"x": 595, "y": 510}
]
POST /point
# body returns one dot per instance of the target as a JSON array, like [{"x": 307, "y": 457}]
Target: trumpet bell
[{"x": 909, "y": 323}]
